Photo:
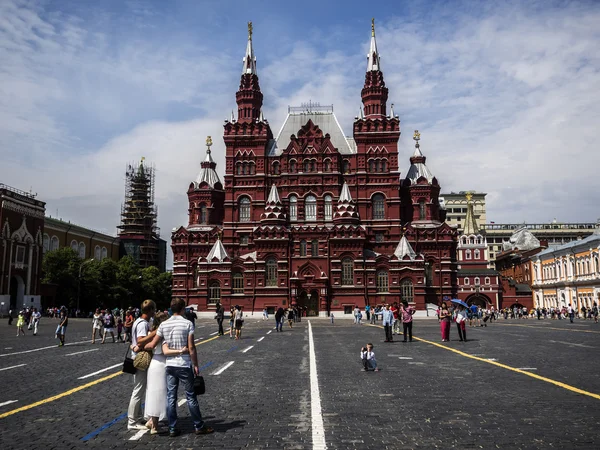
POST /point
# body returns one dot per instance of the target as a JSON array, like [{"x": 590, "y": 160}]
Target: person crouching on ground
[{"x": 368, "y": 358}]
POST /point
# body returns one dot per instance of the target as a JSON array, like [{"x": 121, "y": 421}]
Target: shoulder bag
[
  {"x": 142, "y": 360},
  {"x": 199, "y": 386},
  {"x": 128, "y": 366}
]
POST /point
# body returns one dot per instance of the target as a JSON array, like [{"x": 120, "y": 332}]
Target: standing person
[
  {"x": 109, "y": 325},
  {"x": 290, "y": 316},
  {"x": 120, "y": 329},
  {"x": 35, "y": 317},
  {"x": 396, "y": 324},
  {"x": 571, "y": 312},
  {"x": 279, "y": 319},
  {"x": 368, "y": 313},
  {"x": 357, "y": 315},
  {"x": 265, "y": 313},
  {"x": 178, "y": 334},
  {"x": 388, "y": 321},
  {"x": 220, "y": 316},
  {"x": 128, "y": 324},
  {"x": 20, "y": 323},
  {"x": 10, "y": 317},
  {"x": 239, "y": 322},
  {"x": 445, "y": 318},
  {"x": 61, "y": 330},
  {"x": 231, "y": 322},
  {"x": 96, "y": 325},
  {"x": 595, "y": 312},
  {"x": 140, "y": 336},
  {"x": 461, "y": 320},
  {"x": 407, "y": 320}
]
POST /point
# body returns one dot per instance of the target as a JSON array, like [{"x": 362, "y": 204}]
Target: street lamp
[{"x": 79, "y": 281}]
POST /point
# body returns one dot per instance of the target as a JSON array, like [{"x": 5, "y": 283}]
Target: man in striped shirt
[{"x": 178, "y": 334}]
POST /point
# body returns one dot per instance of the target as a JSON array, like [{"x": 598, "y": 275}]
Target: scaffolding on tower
[{"x": 139, "y": 232}]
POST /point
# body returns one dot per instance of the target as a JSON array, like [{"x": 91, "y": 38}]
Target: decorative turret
[
  {"x": 418, "y": 168},
  {"x": 404, "y": 250},
  {"x": 249, "y": 98},
  {"x": 273, "y": 208},
  {"x": 374, "y": 93},
  {"x": 208, "y": 173},
  {"x": 345, "y": 210},
  {"x": 472, "y": 245},
  {"x": 470, "y": 226},
  {"x": 217, "y": 252}
]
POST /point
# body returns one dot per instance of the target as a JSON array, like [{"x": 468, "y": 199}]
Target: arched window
[
  {"x": 238, "y": 168},
  {"x": 347, "y": 272},
  {"x": 244, "y": 209},
  {"x": 476, "y": 253},
  {"x": 54, "y": 243},
  {"x": 46, "y": 242},
  {"x": 422, "y": 214},
  {"x": 378, "y": 166},
  {"x": 384, "y": 165},
  {"x": 306, "y": 165},
  {"x": 275, "y": 168},
  {"x": 252, "y": 168},
  {"x": 313, "y": 166},
  {"x": 406, "y": 289},
  {"x": 246, "y": 170},
  {"x": 596, "y": 264},
  {"x": 302, "y": 247},
  {"x": 371, "y": 165},
  {"x": 310, "y": 208},
  {"x": 467, "y": 254},
  {"x": 346, "y": 166},
  {"x": 104, "y": 253},
  {"x": 487, "y": 280},
  {"x": 327, "y": 165},
  {"x": 75, "y": 246},
  {"x": 203, "y": 214},
  {"x": 81, "y": 250},
  {"x": 378, "y": 206},
  {"x": 271, "y": 272},
  {"x": 382, "y": 281},
  {"x": 476, "y": 281},
  {"x": 237, "y": 283},
  {"x": 467, "y": 282},
  {"x": 97, "y": 253},
  {"x": 292, "y": 166},
  {"x": 328, "y": 207},
  {"x": 293, "y": 208},
  {"x": 314, "y": 248},
  {"x": 214, "y": 292}
]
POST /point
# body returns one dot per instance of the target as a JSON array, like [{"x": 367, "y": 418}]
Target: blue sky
[{"x": 505, "y": 96}]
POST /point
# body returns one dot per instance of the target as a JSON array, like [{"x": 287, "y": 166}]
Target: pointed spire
[
  {"x": 345, "y": 210},
  {"x": 208, "y": 174},
  {"x": 392, "y": 111},
  {"x": 232, "y": 117},
  {"x": 470, "y": 226},
  {"x": 249, "y": 59},
  {"x": 274, "y": 209},
  {"x": 418, "y": 168},
  {"x": 345, "y": 195},
  {"x": 404, "y": 249},
  {"x": 274, "y": 196},
  {"x": 360, "y": 113},
  {"x": 373, "y": 62},
  {"x": 261, "y": 117},
  {"x": 217, "y": 251}
]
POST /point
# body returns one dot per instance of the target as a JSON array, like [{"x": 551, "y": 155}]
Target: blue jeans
[
  {"x": 186, "y": 376},
  {"x": 279, "y": 325}
]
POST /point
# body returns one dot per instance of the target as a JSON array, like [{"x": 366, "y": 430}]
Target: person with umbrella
[
  {"x": 461, "y": 318},
  {"x": 445, "y": 318}
]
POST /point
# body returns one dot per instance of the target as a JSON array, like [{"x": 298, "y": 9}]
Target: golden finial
[
  {"x": 417, "y": 136},
  {"x": 219, "y": 235},
  {"x": 373, "y": 27},
  {"x": 208, "y": 141},
  {"x": 249, "y": 31},
  {"x": 469, "y": 196}
]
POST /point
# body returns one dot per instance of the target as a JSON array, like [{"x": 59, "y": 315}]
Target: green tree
[
  {"x": 157, "y": 286},
  {"x": 61, "y": 268}
]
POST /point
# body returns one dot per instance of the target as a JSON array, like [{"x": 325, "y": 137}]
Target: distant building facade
[
  {"x": 311, "y": 217},
  {"x": 568, "y": 274},
  {"x": 22, "y": 226},
  {"x": 456, "y": 208}
]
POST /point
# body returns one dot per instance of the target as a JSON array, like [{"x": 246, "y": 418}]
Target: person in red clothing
[
  {"x": 407, "y": 319},
  {"x": 445, "y": 319},
  {"x": 396, "y": 326}
]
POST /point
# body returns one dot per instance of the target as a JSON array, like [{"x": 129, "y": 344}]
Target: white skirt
[{"x": 156, "y": 388}]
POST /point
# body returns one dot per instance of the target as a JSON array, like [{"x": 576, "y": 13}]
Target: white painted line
[
  {"x": 212, "y": 334},
  {"x": 8, "y": 348},
  {"x": 258, "y": 340},
  {"x": 491, "y": 359},
  {"x": 8, "y": 402},
  {"x": 269, "y": 332},
  {"x": 244, "y": 351},
  {"x": 572, "y": 344},
  {"x": 41, "y": 348},
  {"x": 138, "y": 435},
  {"x": 222, "y": 369},
  {"x": 318, "y": 431},
  {"x": 526, "y": 368},
  {"x": 182, "y": 402},
  {"x": 416, "y": 363},
  {"x": 85, "y": 351},
  {"x": 100, "y": 371},
  {"x": 13, "y": 367},
  {"x": 404, "y": 357}
]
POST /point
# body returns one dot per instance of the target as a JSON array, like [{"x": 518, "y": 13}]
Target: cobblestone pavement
[{"x": 514, "y": 384}]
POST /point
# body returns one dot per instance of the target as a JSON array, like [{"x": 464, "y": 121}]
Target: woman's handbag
[
  {"x": 142, "y": 359},
  {"x": 199, "y": 387},
  {"x": 128, "y": 366}
]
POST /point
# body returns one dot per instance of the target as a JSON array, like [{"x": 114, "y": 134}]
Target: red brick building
[{"x": 312, "y": 217}]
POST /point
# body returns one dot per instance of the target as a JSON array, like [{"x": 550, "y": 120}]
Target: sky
[{"x": 506, "y": 96}]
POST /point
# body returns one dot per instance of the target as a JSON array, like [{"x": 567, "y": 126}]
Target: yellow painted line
[
  {"x": 512, "y": 369},
  {"x": 74, "y": 390},
  {"x": 543, "y": 327}
]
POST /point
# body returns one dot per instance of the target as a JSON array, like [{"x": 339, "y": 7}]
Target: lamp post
[{"x": 79, "y": 281}]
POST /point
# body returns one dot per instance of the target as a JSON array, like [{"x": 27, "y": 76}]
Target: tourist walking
[
  {"x": 109, "y": 326},
  {"x": 445, "y": 318},
  {"x": 265, "y": 314},
  {"x": 279, "y": 319},
  {"x": 36, "y": 316},
  {"x": 396, "y": 325},
  {"x": 595, "y": 312},
  {"x": 61, "y": 330},
  {"x": 571, "y": 312},
  {"x": 388, "y": 321},
  {"x": 461, "y": 317},
  {"x": 10, "y": 317},
  {"x": 140, "y": 336},
  {"x": 128, "y": 324},
  {"x": 239, "y": 322},
  {"x": 96, "y": 325},
  {"x": 290, "y": 316},
  {"x": 231, "y": 322},
  {"x": 181, "y": 367},
  {"x": 357, "y": 315},
  {"x": 407, "y": 320},
  {"x": 20, "y": 323},
  {"x": 220, "y": 316}
]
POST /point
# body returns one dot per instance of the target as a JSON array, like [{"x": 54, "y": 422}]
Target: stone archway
[
  {"x": 309, "y": 299},
  {"x": 480, "y": 300},
  {"x": 17, "y": 292}
]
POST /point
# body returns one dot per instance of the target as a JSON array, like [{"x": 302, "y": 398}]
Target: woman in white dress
[
  {"x": 156, "y": 384},
  {"x": 96, "y": 325}
]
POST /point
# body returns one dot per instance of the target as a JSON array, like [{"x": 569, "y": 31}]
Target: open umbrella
[{"x": 460, "y": 302}]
